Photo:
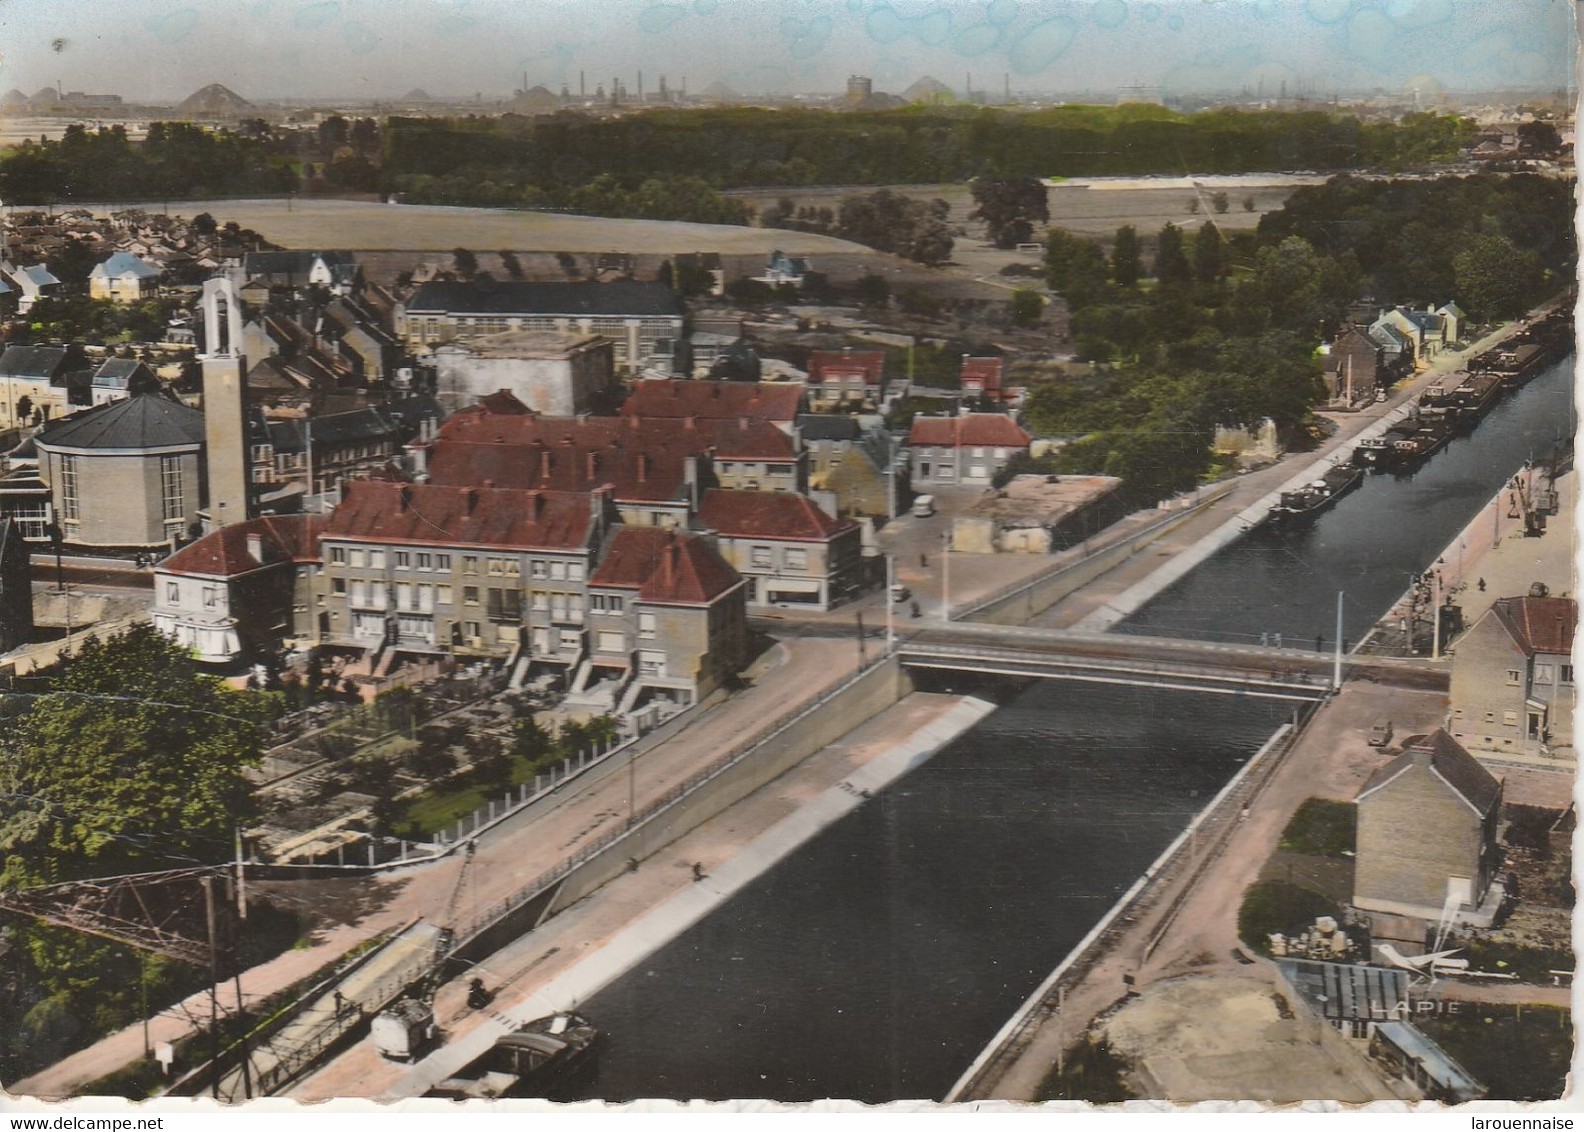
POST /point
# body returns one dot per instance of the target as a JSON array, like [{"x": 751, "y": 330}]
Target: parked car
[
  {"x": 899, "y": 592},
  {"x": 924, "y": 506},
  {"x": 1381, "y": 733}
]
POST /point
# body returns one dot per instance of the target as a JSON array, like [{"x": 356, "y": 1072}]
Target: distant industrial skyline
[{"x": 160, "y": 51}]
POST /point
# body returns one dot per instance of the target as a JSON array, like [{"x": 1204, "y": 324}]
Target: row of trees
[
  {"x": 1223, "y": 332},
  {"x": 743, "y": 146},
  {"x": 683, "y": 197}
]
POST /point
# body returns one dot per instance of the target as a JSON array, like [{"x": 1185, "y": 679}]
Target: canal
[
  {"x": 1369, "y": 544},
  {"x": 874, "y": 963}
]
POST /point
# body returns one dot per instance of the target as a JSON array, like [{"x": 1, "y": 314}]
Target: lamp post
[
  {"x": 946, "y": 577},
  {"x": 890, "y": 604}
]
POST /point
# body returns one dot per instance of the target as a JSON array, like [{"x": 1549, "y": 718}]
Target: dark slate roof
[
  {"x": 122, "y": 373},
  {"x": 293, "y": 262},
  {"x": 818, "y": 426},
  {"x": 360, "y": 426},
  {"x": 33, "y": 361},
  {"x": 1446, "y": 756},
  {"x": 620, "y": 297},
  {"x": 148, "y": 420}
]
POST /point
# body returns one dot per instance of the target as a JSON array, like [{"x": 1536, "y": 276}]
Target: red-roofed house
[
  {"x": 1512, "y": 679},
  {"x": 776, "y": 402},
  {"x": 239, "y": 592},
  {"x": 788, "y": 550},
  {"x": 666, "y": 621},
  {"x": 846, "y": 377},
  {"x": 970, "y": 448},
  {"x": 981, "y": 377}
]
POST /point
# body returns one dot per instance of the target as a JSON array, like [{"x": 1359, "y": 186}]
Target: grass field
[{"x": 371, "y": 226}]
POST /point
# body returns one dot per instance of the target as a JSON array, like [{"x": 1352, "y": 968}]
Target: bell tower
[{"x": 225, "y": 405}]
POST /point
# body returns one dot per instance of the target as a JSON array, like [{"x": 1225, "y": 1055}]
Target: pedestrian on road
[
  {"x": 698, "y": 870},
  {"x": 923, "y": 561},
  {"x": 1482, "y": 585},
  {"x": 914, "y": 609},
  {"x": 340, "y": 1004}
]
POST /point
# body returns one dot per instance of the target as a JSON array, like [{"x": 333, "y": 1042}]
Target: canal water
[
  {"x": 1369, "y": 544},
  {"x": 874, "y": 963}
]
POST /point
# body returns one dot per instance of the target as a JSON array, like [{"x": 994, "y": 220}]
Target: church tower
[{"x": 225, "y": 405}]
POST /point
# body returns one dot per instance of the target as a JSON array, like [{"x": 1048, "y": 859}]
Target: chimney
[
  {"x": 643, "y": 467},
  {"x": 255, "y": 549},
  {"x": 403, "y": 499},
  {"x": 593, "y": 464},
  {"x": 544, "y": 463},
  {"x": 469, "y": 499},
  {"x": 742, "y": 424}
]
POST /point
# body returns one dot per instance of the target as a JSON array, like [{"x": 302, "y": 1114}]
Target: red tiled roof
[
  {"x": 437, "y": 515},
  {"x": 834, "y": 365},
  {"x": 1539, "y": 624},
  {"x": 665, "y": 567},
  {"x": 715, "y": 400},
  {"x": 768, "y": 514},
  {"x": 504, "y": 403},
  {"x": 642, "y": 459},
  {"x": 224, "y": 553},
  {"x": 986, "y": 372},
  {"x": 977, "y": 430}
]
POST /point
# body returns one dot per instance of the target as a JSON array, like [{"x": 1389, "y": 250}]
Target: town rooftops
[
  {"x": 1444, "y": 756},
  {"x": 715, "y": 400},
  {"x": 664, "y": 566},
  {"x": 768, "y": 514},
  {"x": 970, "y": 430},
  {"x": 433, "y": 514},
  {"x": 983, "y": 373},
  {"x": 1039, "y": 500},
  {"x": 621, "y": 297},
  {"x": 38, "y": 275},
  {"x": 1539, "y": 624},
  {"x": 124, "y": 265},
  {"x": 35, "y": 361},
  {"x": 834, "y": 365},
  {"x": 524, "y": 344},
  {"x": 359, "y": 426},
  {"x": 143, "y": 421},
  {"x": 298, "y": 263},
  {"x": 229, "y": 551}
]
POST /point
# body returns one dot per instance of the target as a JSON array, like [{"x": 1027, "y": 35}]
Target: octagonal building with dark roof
[{"x": 125, "y": 475}]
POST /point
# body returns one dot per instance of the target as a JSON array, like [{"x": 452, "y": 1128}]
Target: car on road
[
  {"x": 924, "y": 506},
  {"x": 1381, "y": 733},
  {"x": 899, "y": 592}
]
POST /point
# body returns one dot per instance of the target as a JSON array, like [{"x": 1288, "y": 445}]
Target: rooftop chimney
[
  {"x": 643, "y": 467},
  {"x": 469, "y": 499}
]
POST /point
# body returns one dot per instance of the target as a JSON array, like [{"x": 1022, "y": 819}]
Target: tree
[
  {"x": 1171, "y": 262},
  {"x": 1075, "y": 268},
  {"x": 464, "y": 262},
  {"x": 873, "y": 290},
  {"x": 1009, "y": 206},
  {"x": 509, "y": 262},
  {"x": 1494, "y": 278},
  {"x": 203, "y": 224},
  {"x": 333, "y": 133},
  {"x": 131, "y": 760},
  {"x": 1125, "y": 267},
  {"x": 1248, "y": 203},
  {"x": 1207, "y": 258},
  {"x": 1027, "y": 308},
  {"x": 530, "y": 740},
  {"x": 1219, "y": 202},
  {"x": 1538, "y": 138}
]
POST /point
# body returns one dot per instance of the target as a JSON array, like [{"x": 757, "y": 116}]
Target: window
[
  {"x": 571, "y": 638},
  {"x": 505, "y": 605},
  {"x": 651, "y": 663},
  {"x": 357, "y": 559},
  {"x": 173, "y": 592},
  {"x": 537, "y": 569},
  {"x": 759, "y": 557},
  {"x": 425, "y": 561},
  {"x": 541, "y": 600},
  {"x": 403, "y": 560},
  {"x": 470, "y": 595},
  {"x": 1567, "y": 674},
  {"x": 558, "y": 571},
  {"x": 1514, "y": 676},
  {"x": 1510, "y": 718},
  {"x": 443, "y": 595},
  {"x": 210, "y": 596},
  {"x": 797, "y": 559},
  {"x": 70, "y": 504},
  {"x": 613, "y": 603},
  {"x": 171, "y": 487},
  {"x": 442, "y": 562},
  {"x": 376, "y": 560},
  {"x": 470, "y": 564},
  {"x": 611, "y": 641},
  {"x": 574, "y": 571},
  {"x": 497, "y": 567},
  {"x": 338, "y": 556},
  {"x": 338, "y": 585},
  {"x": 646, "y": 625}
]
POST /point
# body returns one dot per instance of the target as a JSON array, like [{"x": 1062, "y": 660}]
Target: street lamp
[{"x": 946, "y": 576}]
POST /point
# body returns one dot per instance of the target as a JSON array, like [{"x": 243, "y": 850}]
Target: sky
[{"x": 162, "y": 50}]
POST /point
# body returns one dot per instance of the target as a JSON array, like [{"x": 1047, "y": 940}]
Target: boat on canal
[
  {"x": 1309, "y": 500},
  {"x": 529, "y": 1062}
]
